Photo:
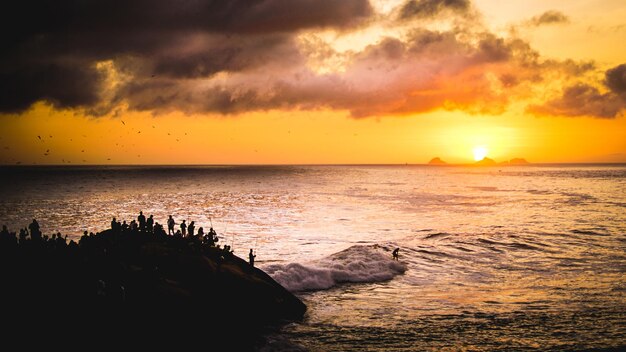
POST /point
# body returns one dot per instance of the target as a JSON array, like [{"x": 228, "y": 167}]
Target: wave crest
[{"x": 354, "y": 264}]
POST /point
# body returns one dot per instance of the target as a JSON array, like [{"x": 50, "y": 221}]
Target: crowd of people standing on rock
[
  {"x": 148, "y": 225},
  {"x": 141, "y": 226},
  {"x": 93, "y": 263},
  {"x": 32, "y": 235}
]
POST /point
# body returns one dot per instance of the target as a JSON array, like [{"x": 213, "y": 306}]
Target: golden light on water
[{"x": 480, "y": 152}]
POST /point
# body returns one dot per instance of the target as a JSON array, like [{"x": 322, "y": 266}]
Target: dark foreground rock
[{"x": 136, "y": 281}]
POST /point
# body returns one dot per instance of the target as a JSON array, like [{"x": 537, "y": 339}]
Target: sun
[{"x": 480, "y": 152}]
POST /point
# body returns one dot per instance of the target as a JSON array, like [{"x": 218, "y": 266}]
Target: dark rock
[
  {"x": 437, "y": 161},
  {"x": 485, "y": 162},
  {"x": 518, "y": 161},
  {"x": 143, "y": 282}
]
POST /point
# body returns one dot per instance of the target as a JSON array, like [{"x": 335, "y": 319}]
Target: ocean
[{"x": 511, "y": 258}]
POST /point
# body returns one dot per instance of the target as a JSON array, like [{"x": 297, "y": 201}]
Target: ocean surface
[{"x": 528, "y": 258}]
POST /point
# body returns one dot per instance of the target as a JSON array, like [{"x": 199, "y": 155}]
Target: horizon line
[{"x": 326, "y": 164}]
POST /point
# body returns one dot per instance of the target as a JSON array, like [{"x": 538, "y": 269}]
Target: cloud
[
  {"x": 229, "y": 57},
  {"x": 232, "y": 16},
  {"x": 549, "y": 17},
  {"x": 425, "y": 71},
  {"x": 430, "y": 8},
  {"x": 51, "y": 48},
  {"x": 213, "y": 54},
  {"x": 63, "y": 85},
  {"x": 615, "y": 79},
  {"x": 581, "y": 100},
  {"x": 586, "y": 100}
]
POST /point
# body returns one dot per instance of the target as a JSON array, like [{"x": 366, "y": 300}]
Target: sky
[{"x": 312, "y": 81}]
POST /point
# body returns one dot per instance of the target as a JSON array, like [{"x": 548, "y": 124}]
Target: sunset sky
[{"x": 312, "y": 81}]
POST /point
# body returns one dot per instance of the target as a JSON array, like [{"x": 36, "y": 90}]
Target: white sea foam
[{"x": 354, "y": 264}]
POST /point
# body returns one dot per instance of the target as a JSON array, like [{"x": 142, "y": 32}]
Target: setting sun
[{"x": 480, "y": 153}]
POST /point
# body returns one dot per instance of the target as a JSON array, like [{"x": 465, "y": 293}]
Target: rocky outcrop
[
  {"x": 437, "y": 161},
  {"x": 518, "y": 161},
  {"x": 485, "y": 162},
  {"x": 144, "y": 280}
]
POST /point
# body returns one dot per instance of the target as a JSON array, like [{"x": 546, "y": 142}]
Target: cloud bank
[
  {"x": 586, "y": 100},
  {"x": 229, "y": 57}
]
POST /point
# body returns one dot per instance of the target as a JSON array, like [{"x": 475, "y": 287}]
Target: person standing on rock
[
  {"x": 141, "y": 219},
  {"x": 251, "y": 256},
  {"x": 191, "y": 228},
  {"x": 35, "y": 234},
  {"x": 170, "y": 225},
  {"x": 183, "y": 228},
  {"x": 150, "y": 223}
]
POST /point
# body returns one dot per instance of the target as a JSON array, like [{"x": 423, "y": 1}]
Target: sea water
[{"x": 491, "y": 258}]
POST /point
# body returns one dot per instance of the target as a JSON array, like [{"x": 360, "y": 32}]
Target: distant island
[
  {"x": 140, "y": 276},
  {"x": 437, "y": 161},
  {"x": 486, "y": 162}
]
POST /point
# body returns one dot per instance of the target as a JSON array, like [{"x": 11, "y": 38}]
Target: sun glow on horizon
[{"x": 480, "y": 152}]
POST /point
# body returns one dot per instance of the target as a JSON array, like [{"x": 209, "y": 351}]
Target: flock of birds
[{"x": 48, "y": 152}]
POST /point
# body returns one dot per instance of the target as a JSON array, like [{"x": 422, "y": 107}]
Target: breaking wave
[{"x": 355, "y": 264}]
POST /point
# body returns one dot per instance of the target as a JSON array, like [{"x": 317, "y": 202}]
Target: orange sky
[{"x": 510, "y": 122}]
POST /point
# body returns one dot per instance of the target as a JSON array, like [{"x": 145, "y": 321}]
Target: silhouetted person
[
  {"x": 150, "y": 224},
  {"x": 183, "y": 228},
  {"x": 395, "y": 253},
  {"x": 113, "y": 224},
  {"x": 158, "y": 229},
  {"x": 141, "y": 219},
  {"x": 227, "y": 252},
  {"x": 170, "y": 225},
  {"x": 23, "y": 235},
  {"x": 212, "y": 233},
  {"x": 191, "y": 228},
  {"x": 212, "y": 237},
  {"x": 61, "y": 241},
  {"x": 251, "y": 256},
  {"x": 200, "y": 232},
  {"x": 7, "y": 239},
  {"x": 35, "y": 234},
  {"x": 133, "y": 225}
]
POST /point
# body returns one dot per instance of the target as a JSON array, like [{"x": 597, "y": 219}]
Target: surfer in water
[{"x": 395, "y": 253}]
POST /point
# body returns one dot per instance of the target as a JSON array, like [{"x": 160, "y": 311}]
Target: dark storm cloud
[
  {"x": 615, "y": 79},
  {"x": 549, "y": 17},
  {"x": 226, "y": 53},
  {"x": 430, "y": 8},
  {"x": 234, "y": 16},
  {"x": 62, "y": 85},
  {"x": 586, "y": 100},
  {"x": 51, "y": 47}
]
